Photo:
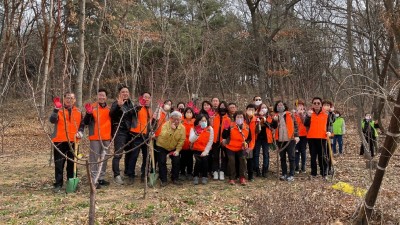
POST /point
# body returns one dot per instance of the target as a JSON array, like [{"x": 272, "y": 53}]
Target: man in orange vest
[
  {"x": 99, "y": 121},
  {"x": 140, "y": 129},
  {"x": 68, "y": 126},
  {"x": 317, "y": 122}
]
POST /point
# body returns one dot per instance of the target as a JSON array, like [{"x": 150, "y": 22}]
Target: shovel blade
[
  {"x": 153, "y": 179},
  {"x": 72, "y": 184}
]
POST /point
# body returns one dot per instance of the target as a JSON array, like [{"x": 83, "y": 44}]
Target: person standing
[
  {"x": 170, "y": 142},
  {"x": 98, "y": 119},
  {"x": 317, "y": 122},
  {"x": 68, "y": 126},
  {"x": 232, "y": 108},
  {"x": 121, "y": 113},
  {"x": 215, "y": 103},
  {"x": 201, "y": 139},
  {"x": 369, "y": 127},
  {"x": 253, "y": 123},
  {"x": 286, "y": 136},
  {"x": 339, "y": 129},
  {"x": 301, "y": 146},
  {"x": 186, "y": 155}
]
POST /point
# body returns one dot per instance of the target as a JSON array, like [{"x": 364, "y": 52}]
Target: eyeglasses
[
  {"x": 257, "y": 100},
  {"x": 316, "y": 103}
]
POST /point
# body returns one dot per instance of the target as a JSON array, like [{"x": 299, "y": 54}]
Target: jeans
[
  {"x": 318, "y": 151},
  {"x": 201, "y": 165},
  {"x": 138, "y": 141},
  {"x": 256, "y": 157},
  {"x": 301, "y": 153},
  {"x": 232, "y": 157},
  {"x": 186, "y": 162},
  {"x": 59, "y": 162},
  {"x": 120, "y": 145},
  {"x": 96, "y": 154},
  {"x": 218, "y": 150},
  {"x": 337, "y": 139},
  {"x": 162, "y": 165},
  {"x": 287, "y": 147}
]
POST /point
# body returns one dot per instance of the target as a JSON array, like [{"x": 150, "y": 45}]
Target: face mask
[
  {"x": 264, "y": 111},
  {"x": 222, "y": 111},
  {"x": 167, "y": 107},
  {"x": 280, "y": 108},
  {"x": 257, "y": 103},
  {"x": 250, "y": 113},
  {"x": 239, "y": 121},
  {"x": 203, "y": 124},
  {"x": 337, "y": 115}
]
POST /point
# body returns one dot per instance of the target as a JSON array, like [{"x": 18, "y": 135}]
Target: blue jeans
[
  {"x": 256, "y": 156},
  {"x": 337, "y": 139},
  {"x": 301, "y": 152}
]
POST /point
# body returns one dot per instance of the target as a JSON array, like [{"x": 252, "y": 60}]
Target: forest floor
[{"x": 26, "y": 195}]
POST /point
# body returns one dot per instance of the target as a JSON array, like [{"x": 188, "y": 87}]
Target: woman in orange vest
[
  {"x": 99, "y": 121},
  {"x": 264, "y": 138},
  {"x": 236, "y": 138},
  {"x": 186, "y": 160},
  {"x": 68, "y": 125},
  {"x": 317, "y": 122},
  {"x": 286, "y": 136},
  {"x": 251, "y": 120},
  {"x": 301, "y": 146},
  {"x": 201, "y": 139}
]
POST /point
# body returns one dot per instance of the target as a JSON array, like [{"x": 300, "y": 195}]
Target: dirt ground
[{"x": 26, "y": 180}]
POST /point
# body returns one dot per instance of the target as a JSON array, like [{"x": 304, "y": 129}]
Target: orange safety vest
[
  {"x": 188, "y": 125},
  {"x": 318, "y": 125},
  {"x": 202, "y": 141},
  {"x": 143, "y": 120},
  {"x": 237, "y": 138},
  {"x": 160, "y": 122},
  {"x": 216, "y": 126},
  {"x": 289, "y": 126},
  {"x": 268, "y": 131},
  {"x": 252, "y": 126},
  {"x": 101, "y": 117},
  {"x": 301, "y": 127},
  {"x": 68, "y": 125}
]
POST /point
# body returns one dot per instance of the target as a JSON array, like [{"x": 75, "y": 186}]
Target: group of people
[{"x": 216, "y": 140}]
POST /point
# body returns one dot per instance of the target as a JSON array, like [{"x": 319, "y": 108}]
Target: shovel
[
  {"x": 72, "y": 183},
  {"x": 152, "y": 176}
]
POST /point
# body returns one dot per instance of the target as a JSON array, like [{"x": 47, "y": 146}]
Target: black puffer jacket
[{"x": 128, "y": 114}]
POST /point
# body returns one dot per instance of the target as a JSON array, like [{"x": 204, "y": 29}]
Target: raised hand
[
  {"x": 89, "y": 108},
  {"x": 57, "y": 103}
]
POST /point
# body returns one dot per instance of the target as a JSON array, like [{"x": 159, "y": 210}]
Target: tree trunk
[{"x": 81, "y": 62}]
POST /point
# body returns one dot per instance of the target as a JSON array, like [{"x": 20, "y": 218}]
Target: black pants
[
  {"x": 201, "y": 165},
  {"x": 371, "y": 142},
  {"x": 218, "y": 153},
  {"x": 186, "y": 162},
  {"x": 162, "y": 165},
  {"x": 250, "y": 165},
  {"x": 318, "y": 151},
  {"x": 138, "y": 144},
  {"x": 59, "y": 162},
  {"x": 301, "y": 153},
  {"x": 120, "y": 145},
  {"x": 287, "y": 148}
]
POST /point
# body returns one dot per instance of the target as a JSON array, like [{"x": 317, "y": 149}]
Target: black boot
[
  {"x": 265, "y": 172},
  {"x": 258, "y": 173}
]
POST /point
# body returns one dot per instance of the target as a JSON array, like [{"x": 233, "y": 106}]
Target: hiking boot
[
  {"x": 177, "y": 182},
  {"x": 232, "y": 182},
  {"x": 204, "y": 180},
  {"x": 290, "y": 178},
  {"x": 118, "y": 180},
  {"x": 283, "y": 177},
  {"x": 130, "y": 180},
  {"x": 196, "y": 180},
  {"x": 265, "y": 172},
  {"x": 56, "y": 189},
  {"x": 104, "y": 183},
  {"x": 221, "y": 175},
  {"x": 242, "y": 181},
  {"x": 215, "y": 175}
]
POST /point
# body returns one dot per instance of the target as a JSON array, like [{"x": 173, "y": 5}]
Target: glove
[
  {"x": 89, "y": 108},
  {"x": 198, "y": 129},
  {"x": 142, "y": 101},
  {"x": 204, "y": 153},
  {"x": 57, "y": 103},
  {"x": 296, "y": 139},
  {"x": 175, "y": 153},
  {"x": 328, "y": 134},
  {"x": 79, "y": 134},
  {"x": 160, "y": 103},
  {"x": 226, "y": 125}
]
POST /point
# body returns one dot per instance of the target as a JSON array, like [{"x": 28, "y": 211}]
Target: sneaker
[
  {"x": 232, "y": 182},
  {"x": 242, "y": 181},
  {"x": 177, "y": 182},
  {"x": 196, "y": 180},
  {"x": 56, "y": 189},
  {"x": 290, "y": 178},
  {"x": 215, "y": 175},
  {"x": 104, "y": 183},
  {"x": 221, "y": 175},
  {"x": 283, "y": 177},
  {"x": 204, "y": 180},
  {"x": 297, "y": 171},
  {"x": 118, "y": 180}
]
